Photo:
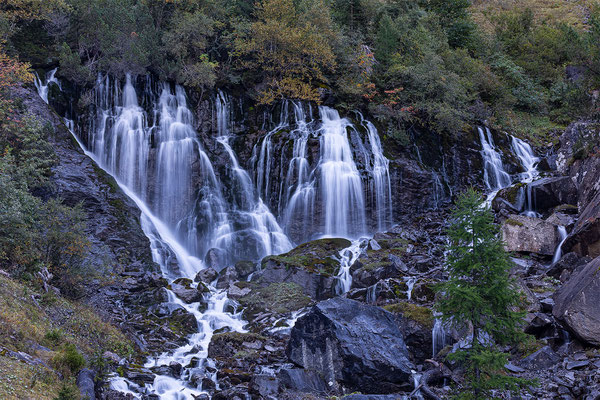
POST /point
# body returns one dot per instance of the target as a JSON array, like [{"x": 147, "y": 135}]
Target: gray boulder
[
  {"x": 85, "y": 383},
  {"x": 352, "y": 345},
  {"x": 577, "y": 303},
  {"x": 544, "y": 358},
  {"x": 552, "y": 192},
  {"x": 585, "y": 237},
  {"x": 530, "y": 235}
]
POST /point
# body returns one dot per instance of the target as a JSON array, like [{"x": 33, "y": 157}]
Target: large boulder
[
  {"x": 530, "y": 235},
  {"x": 313, "y": 266},
  {"x": 352, "y": 345},
  {"x": 585, "y": 237},
  {"x": 577, "y": 303},
  {"x": 552, "y": 192}
]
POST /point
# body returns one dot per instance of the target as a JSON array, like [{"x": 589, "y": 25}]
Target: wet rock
[
  {"x": 183, "y": 289},
  {"x": 531, "y": 235},
  {"x": 352, "y": 345},
  {"x": 85, "y": 383},
  {"x": 206, "y": 276},
  {"x": 577, "y": 303},
  {"x": 544, "y": 358},
  {"x": 547, "y": 304},
  {"x": 302, "y": 380},
  {"x": 140, "y": 375},
  {"x": 244, "y": 269},
  {"x": 371, "y": 397},
  {"x": 561, "y": 219},
  {"x": 182, "y": 322},
  {"x": 111, "y": 357},
  {"x": 552, "y": 192},
  {"x": 568, "y": 262},
  {"x": 264, "y": 385},
  {"x": 214, "y": 258},
  {"x": 311, "y": 265},
  {"x": 585, "y": 237},
  {"x": 235, "y": 345}
]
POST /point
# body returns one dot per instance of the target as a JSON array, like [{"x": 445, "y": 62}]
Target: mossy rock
[
  {"x": 419, "y": 314},
  {"x": 280, "y": 298},
  {"x": 236, "y": 345},
  {"x": 513, "y": 222},
  {"x": 315, "y": 256}
]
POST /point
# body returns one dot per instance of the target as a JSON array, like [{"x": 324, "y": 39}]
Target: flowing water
[
  {"x": 562, "y": 233},
  {"x": 494, "y": 175},
  {"x": 44, "y": 86},
  {"x": 528, "y": 160},
  {"x": 438, "y": 336},
  {"x": 144, "y": 136}
]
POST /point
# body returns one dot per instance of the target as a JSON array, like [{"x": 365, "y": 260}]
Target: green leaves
[{"x": 480, "y": 294}]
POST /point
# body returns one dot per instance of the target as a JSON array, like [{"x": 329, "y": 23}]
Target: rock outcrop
[
  {"x": 530, "y": 235},
  {"x": 352, "y": 345},
  {"x": 577, "y": 303}
]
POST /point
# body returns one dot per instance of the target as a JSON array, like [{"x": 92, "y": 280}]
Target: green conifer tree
[{"x": 480, "y": 294}]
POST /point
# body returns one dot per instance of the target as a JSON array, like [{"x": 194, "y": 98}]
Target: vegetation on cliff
[{"x": 430, "y": 63}]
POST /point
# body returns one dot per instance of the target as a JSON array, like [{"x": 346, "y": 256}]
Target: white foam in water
[
  {"x": 562, "y": 233},
  {"x": 528, "y": 160},
  {"x": 44, "y": 86},
  {"x": 341, "y": 186},
  {"x": 347, "y": 257},
  {"x": 410, "y": 284},
  {"x": 494, "y": 175}
]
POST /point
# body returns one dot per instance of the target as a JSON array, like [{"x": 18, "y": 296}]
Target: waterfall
[
  {"x": 299, "y": 184},
  {"x": 494, "y": 176},
  {"x": 341, "y": 186},
  {"x": 258, "y": 227},
  {"x": 347, "y": 258},
  {"x": 379, "y": 169},
  {"x": 144, "y": 137},
  {"x": 438, "y": 336},
  {"x": 562, "y": 233},
  {"x": 528, "y": 160},
  {"x": 44, "y": 87},
  {"x": 410, "y": 284}
]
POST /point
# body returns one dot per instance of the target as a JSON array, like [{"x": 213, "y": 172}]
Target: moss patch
[
  {"x": 422, "y": 315},
  {"x": 514, "y": 222},
  {"x": 316, "y": 256},
  {"x": 277, "y": 297}
]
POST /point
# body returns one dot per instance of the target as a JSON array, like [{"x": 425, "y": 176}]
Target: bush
[{"x": 69, "y": 359}]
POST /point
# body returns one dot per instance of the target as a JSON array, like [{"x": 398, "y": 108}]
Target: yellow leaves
[
  {"x": 28, "y": 10},
  {"x": 292, "y": 53}
]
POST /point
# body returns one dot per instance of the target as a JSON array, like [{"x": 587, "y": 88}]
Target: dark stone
[
  {"x": 352, "y": 345},
  {"x": 578, "y": 303},
  {"x": 552, "y": 192},
  {"x": 206, "y": 276},
  {"x": 183, "y": 289},
  {"x": 577, "y": 364},
  {"x": 584, "y": 239},
  {"x": 264, "y": 385},
  {"x": 302, "y": 380},
  {"x": 568, "y": 262},
  {"x": 544, "y": 358},
  {"x": 85, "y": 383},
  {"x": 139, "y": 375}
]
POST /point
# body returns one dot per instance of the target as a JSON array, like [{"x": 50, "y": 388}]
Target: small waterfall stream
[
  {"x": 528, "y": 160},
  {"x": 44, "y": 86},
  {"x": 494, "y": 175},
  {"x": 562, "y": 233}
]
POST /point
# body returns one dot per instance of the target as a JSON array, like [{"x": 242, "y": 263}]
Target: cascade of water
[
  {"x": 44, "y": 86},
  {"x": 341, "y": 186},
  {"x": 410, "y": 284},
  {"x": 530, "y": 203},
  {"x": 438, "y": 193},
  {"x": 438, "y": 336},
  {"x": 371, "y": 296},
  {"x": 347, "y": 257},
  {"x": 252, "y": 214},
  {"x": 494, "y": 176},
  {"x": 562, "y": 233},
  {"x": 528, "y": 160},
  {"x": 299, "y": 184}
]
